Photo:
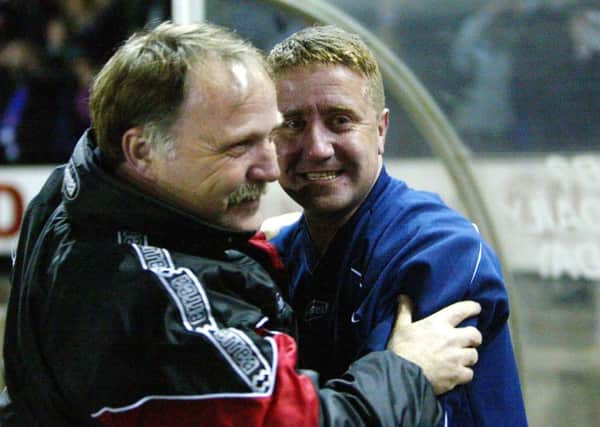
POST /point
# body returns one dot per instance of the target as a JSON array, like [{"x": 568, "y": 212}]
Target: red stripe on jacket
[{"x": 294, "y": 402}]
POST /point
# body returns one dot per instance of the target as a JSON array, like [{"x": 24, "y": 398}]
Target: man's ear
[
  {"x": 383, "y": 121},
  {"x": 137, "y": 151}
]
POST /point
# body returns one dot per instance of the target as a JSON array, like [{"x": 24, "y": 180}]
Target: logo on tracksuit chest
[
  {"x": 70, "y": 184},
  {"x": 315, "y": 309}
]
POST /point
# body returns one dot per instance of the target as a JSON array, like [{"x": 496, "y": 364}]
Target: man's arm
[
  {"x": 378, "y": 389},
  {"x": 217, "y": 368},
  {"x": 445, "y": 352},
  {"x": 461, "y": 266},
  {"x": 494, "y": 396}
]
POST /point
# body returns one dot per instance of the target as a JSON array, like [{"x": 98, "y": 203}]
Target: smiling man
[
  {"x": 366, "y": 237},
  {"x": 137, "y": 298}
]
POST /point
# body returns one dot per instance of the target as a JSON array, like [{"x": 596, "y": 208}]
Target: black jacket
[{"x": 126, "y": 311}]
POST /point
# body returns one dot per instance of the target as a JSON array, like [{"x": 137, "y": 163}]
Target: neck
[
  {"x": 323, "y": 228},
  {"x": 321, "y": 233}
]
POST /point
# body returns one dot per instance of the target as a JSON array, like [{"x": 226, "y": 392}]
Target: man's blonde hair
[
  {"x": 145, "y": 82},
  {"x": 329, "y": 45}
]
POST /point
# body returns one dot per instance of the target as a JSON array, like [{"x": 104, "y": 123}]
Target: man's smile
[{"x": 321, "y": 176}]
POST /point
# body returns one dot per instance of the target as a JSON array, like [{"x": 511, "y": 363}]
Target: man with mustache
[
  {"x": 137, "y": 299},
  {"x": 366, "y": 237}
]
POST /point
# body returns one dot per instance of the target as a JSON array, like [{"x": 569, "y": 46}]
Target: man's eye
[
  {"x": 293, "y": 124},
  {"x": 239, "y": 148},
  {"x": 340, "y": 120}
]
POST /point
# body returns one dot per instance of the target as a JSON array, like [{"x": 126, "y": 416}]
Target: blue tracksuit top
[{"x": 403, "y": 241}]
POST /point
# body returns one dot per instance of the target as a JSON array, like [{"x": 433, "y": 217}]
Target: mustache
[{"x": 246, "y": 192}]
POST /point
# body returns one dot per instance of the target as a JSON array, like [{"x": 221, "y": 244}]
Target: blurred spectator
[
  {"x": 533, "y": 74},
  {"x": 50, "y": 51},
  {"x": 584, "y": 31},
  {"x": 556, "y": 84},
  {"x": 98, "y": 26},
  {"x": 482, "y": 51},
  {"x": 28, "y": 118}
]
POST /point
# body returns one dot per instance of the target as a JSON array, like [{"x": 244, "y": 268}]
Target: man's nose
[
  {"x": 318, "y": 142},
  {"x": 265, "y": 166}
]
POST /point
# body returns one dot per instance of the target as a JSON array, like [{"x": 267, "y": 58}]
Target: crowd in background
[
  {"x": 532, "y": 74},
  {"x": 513, "y": 75},
  {"x": 50, "y": 51}
]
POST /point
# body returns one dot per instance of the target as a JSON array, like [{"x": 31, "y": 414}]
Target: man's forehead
[
  {"x": 334, "y": 99},
  {"x": 324, "y": 81},
  {"x": 240, "y": 75},
  {"x": 228, "y": 81},
  {"x": 232, "y": 73},
  {"x": 319, "y": 68},
  {"x": 322, "y": 108}
]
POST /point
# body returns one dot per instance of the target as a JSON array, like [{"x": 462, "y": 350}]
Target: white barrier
[{"x": 18, "y": 185}]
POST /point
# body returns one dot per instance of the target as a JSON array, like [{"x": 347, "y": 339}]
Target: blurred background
[{"x": 518, "y": 80}]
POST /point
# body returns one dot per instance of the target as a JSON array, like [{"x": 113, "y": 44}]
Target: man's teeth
[{"x": 320, "y": 176}]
